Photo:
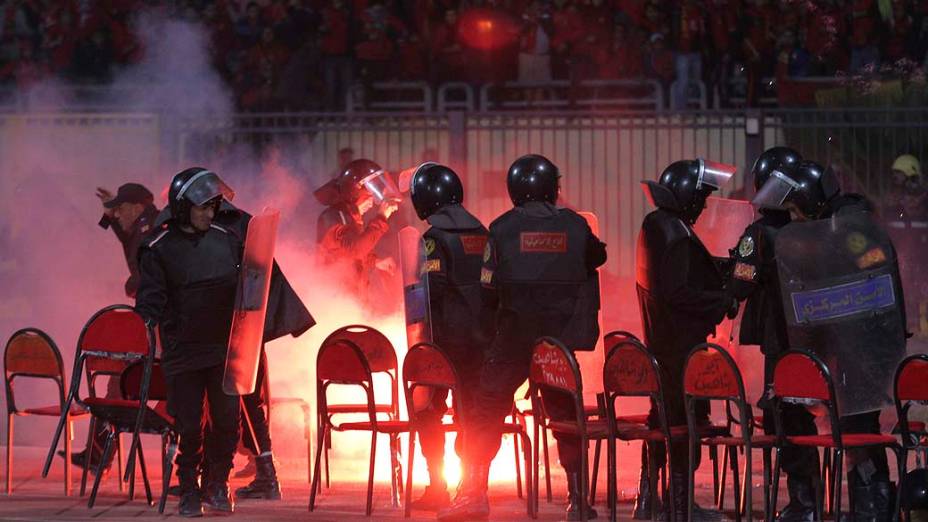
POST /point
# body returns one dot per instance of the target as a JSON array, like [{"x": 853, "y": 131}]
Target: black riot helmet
[
  {"x": 533, "y": 178},
  {"x": 434, "y": 186},
  {"x": 684, "y": 186},
  {"x": 362, "y": 177},
  {"x": 194, "y": 187},
  {"x": 915, "y": 490},
  {"x": 809, "y": 189},
  {"x": 782, "y": 159}
]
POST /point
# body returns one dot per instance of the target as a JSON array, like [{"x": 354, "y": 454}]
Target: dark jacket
[
  {"x": 131, "y": 240},
  {"x": 454, "y": 247},
  {"x": 539, "y": 279},
  {"x": 188, "y": 287},
  {"x": 755, "y": 280},
  {"x": 680, "y": 290}
]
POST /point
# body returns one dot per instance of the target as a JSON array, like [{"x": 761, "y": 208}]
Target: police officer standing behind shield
[
  {"x": 189, "y": 276},
  {"x": 536, "y": 279},
  {"x": 862, "y": 350},
  {"x": 755, "y": 280},
  {"x": 454, "y": 248},
  {"x": 681, "y": 297}
]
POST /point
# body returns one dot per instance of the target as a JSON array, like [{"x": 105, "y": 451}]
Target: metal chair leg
[
  {"x": 370, "y": 475},
  {"x": 515, "y": 451},
  {"x": 411, "y": 449},
  {"x": 68, "y": 432},
  {"x": 107, "y": 449},
  {"x": 141, "y": 455},
  {"x": 9, "y": 454},
  {"x": 316, "y": 486},
  {"x": 87, "y": 452},
  {"x": 736, "y": 482},
  {"x": 595, "y": 471},
  {"x": 544, "y": 437}
]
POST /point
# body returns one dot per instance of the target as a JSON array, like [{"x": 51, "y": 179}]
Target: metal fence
[{"x": 603, "y": 157}]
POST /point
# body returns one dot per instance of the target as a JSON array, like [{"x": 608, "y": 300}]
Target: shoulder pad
[
  {"x": 157, "y": 236},
  {"x": 669, "y": 227}
]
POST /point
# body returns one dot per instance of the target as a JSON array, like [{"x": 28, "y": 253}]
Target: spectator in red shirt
[
  {"x": 374, "y": 55},
  {"x": 690, "y": 33},
  {"x": 337, "y": 65},
  {"x": 623, "y": 60},
  {"x": 447, "y": 57},
  {"x": 723, "y": 24},
  {"x": 250, "y": 26},
  {"x": 567, "y": 28},
  {"x": 864, "y": 25},
  {"x": 660, "y": 62},
  {"x": 900, "y": 27},
  {"x": 411, "y": 58}
]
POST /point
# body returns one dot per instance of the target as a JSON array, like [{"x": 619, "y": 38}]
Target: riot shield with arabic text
[
  {"x": 244, "y": 351},
  {"x": 842, "y": 300},
  {"x": 413, "y": 264}
]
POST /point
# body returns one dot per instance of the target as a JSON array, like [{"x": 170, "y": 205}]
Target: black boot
[
  {"x": 642, "y": 509},
  {"x": 679, "y": 484},
  {"x": 873, "y": 502},
  {"x": 78, "y": 458},
  {"x": 218, "y": 499},
  {"x": 471, "y": 502},
  {"x": 265, "y": 485},
  {"x": 190, "y": 504},
  {"x": 801, "y": 506},
  {"x": 575, "y": 499}
]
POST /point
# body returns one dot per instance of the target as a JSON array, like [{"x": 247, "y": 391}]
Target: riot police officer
[
  {"x": 189, "y": 271},
  {"x": 755, "y": 280},
  {"x": 454, "y": 246},
  {"x": 539, "y": 265},
  {"x": 681, "y": 296},
  {"x": 343, "y": 238},
  {"x": 812, "y": 193}
]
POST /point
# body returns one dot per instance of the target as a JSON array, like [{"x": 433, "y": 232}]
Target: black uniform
[
  {"x": 454, "y": 247},
  {"x": 681, "y": 297},
  {"x": 755, "y": 280},
  {"x": 536, "y": 280},
  {"x": 131, "y": 240},
  {"x": 188, "y": 287}
]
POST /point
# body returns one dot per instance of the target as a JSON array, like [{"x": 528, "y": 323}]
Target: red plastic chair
[
  {"x": 343, "y": 362},
  {"x": 910, "y": 386},
  {"x": 802, "y": 375},
  {"x": 156, "y": 421},
  {"x": 711, "y": 375},
  {"x": 630, "y": 371},
  {"x": 427, "y": 367},
  {"x": 31, "y": 353},
  {"x": 554, "y": 371},
  {"x": 113, "y": 337},
  {"x": 381, "y": 359}
]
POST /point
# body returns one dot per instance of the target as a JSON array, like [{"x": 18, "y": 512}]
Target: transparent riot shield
[
  {"x": 591, "y": 362},
  {"x": 720, "y": 227},
  {"x": 722, "y": 223},
  {"x": 415, "y": 286},
  {"x": 842, "y": 298},
  {"x": 245, "y": 341}
]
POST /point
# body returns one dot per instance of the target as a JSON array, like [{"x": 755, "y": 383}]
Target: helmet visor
[
  {"x": 381, "y": 187},
  {"x": 203, "y": 187},
  {"x": 714, "y": 174},
  {"x": 774, "y": 192}
]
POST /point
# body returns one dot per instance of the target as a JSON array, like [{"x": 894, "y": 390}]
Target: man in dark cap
[{"x": 131, "y": 214}]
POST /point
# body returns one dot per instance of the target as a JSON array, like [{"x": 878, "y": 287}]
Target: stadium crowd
[{"x": 303, "y": 54}]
